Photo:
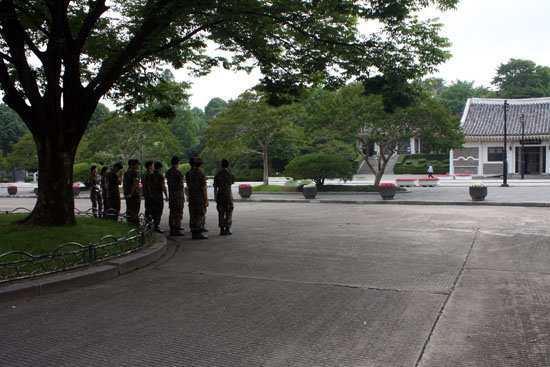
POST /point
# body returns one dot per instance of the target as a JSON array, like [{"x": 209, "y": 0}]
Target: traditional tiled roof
[{"x": 485, "y": 117}]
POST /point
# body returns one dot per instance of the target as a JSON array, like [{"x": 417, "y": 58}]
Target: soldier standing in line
[
  {"x": 113, "y": 193},
  {"x": 130, "y": 187},
  {"x": 156, "y": 188},
  {"x": 224, "y": 198},
  {"x": 94, "y": 183},
  {"x": 145, "y": 185},
  {"x": 198, "y": 199},
  {"x": 191, "y": 164},
  {"x": 104, "y": 171},
  {"x": 176, "y": 198}
]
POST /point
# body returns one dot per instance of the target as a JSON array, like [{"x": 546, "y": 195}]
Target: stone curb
[
  {"x": 399, "y": 202},
  {"x": 89, "y": 276}
]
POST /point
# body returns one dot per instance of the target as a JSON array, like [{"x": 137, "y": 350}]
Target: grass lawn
[
  {"x": 325, "y": 188},
  {"x": 42, "y": 240}
]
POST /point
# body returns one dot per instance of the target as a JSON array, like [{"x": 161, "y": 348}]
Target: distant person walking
[
  {"x": 224, "y": 198},
  {"x": 430, "y": 171},
  {"x": 114, "y": 180},
  {"x": 156, "y": 189},
  {"x": 174, "y": 178},
  {"x": 104, "y": 171},
  {"x": 130, "y": 187},
  {"x": 94, "y": 183},
  {"x": 145, "y": 186},
  {"x": 198, "y": 199}
]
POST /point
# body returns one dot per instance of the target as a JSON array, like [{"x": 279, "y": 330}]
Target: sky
[{"x": 484, "y": 34}]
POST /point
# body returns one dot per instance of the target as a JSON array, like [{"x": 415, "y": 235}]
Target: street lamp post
[
  {"x": 505, "y": 154},
  {"x": 522, "y": 120}
]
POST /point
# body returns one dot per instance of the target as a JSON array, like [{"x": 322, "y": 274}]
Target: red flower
[
  {"x": 406, "y": 179},
  {"x": 463, "y": 175},
  {"x": 244, "y": 186},
  {"x": 387, "y": 184},
  {"x": 12, "y": 187},
  {"x": 428, "y": 179},
  {"x": 76, "y": 187}
]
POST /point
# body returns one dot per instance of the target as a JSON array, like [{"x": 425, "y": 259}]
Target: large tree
[
  {"x": 250, "y": 125},
  {"x": 59, "y": 58},
  {"x": 522, "y": 79},
  {"x": 454, "y": 97},
  {"x": 364, "y": 118}
]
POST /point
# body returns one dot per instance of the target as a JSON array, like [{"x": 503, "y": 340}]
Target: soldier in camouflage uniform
[
  {"x": 94, "y": 183},
  {"x": 104, "y": 171},
  {"x": 198, "y": 200},
  {"x": 113, "y": 194},
  {"x": 174, "y": 178},
  {"x": 224, "y": 198},
  {"x": 145, "y": 185},
  {"x": 191, "y": 165},
  {"x": 156, "y": 189},
  {"x": 130, "y": 186}
]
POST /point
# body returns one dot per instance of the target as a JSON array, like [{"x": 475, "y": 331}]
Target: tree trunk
[
  {"x": 266, "y": 166},
  {"x": 55, "y": 203}
]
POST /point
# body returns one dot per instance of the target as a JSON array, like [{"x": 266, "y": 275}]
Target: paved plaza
[{"x": 313, "y": 284}]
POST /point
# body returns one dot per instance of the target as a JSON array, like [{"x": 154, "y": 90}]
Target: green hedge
[
  {"x": 418, "y": 163},
  {"x": 81, "y": 171}
]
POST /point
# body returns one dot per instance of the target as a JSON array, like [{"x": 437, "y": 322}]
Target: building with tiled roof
[{"x": 483, "y": 124}]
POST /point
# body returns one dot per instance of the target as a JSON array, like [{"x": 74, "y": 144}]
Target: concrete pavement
[{"x": 306, "y": 284}]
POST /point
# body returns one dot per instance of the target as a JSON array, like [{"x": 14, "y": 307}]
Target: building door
[{"x": 535, "y": 160}]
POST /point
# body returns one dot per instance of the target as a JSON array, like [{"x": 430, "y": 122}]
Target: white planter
[
  {"x": 458, "y": 177},
  {"x": 406, "y": 183},
  {"x": 444, "y": 178},
  {"x": 429, "y": 183}
]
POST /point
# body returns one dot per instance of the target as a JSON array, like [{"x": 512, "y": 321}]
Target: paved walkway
[{"x": 305, "y": 284}]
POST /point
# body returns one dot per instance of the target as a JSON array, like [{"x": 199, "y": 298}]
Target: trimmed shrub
[
  {"x": 319, "y": 166},
  {"x": 81, "y": 172}
]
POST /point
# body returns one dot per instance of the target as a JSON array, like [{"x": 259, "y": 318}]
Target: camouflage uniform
[
  {"x": 145, "y": 185},
  {"x": 94, "y": 182},
  {"x": 133, "y": 202},
  {"x": 104, "y": 189},
  {"x": 174, "y": 178},
  {"x": 113, "y": 195},
  {"x": 224, "y": 198},
  {"x": 156, "y": 202},
  {"x": 196, "y": 182},
  {"x": 203, "y": 223}
]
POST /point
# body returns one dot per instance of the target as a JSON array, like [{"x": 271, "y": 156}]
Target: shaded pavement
[{"x": 306, "y": 284}]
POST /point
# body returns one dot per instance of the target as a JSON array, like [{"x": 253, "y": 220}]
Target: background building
[{"x": 483, "y": 124}]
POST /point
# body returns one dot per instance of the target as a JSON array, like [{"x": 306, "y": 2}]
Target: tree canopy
[
  {"x": 11, "y": 128},
  {"x": 522, "y": 79},
  {"x": 59, "y": 58},
  {"x": 454, "y": 97}
]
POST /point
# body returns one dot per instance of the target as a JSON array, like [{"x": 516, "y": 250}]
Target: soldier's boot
[
  {"x": 228, "y": 231},
  {"x": 222, "y": 231},
  {"x": 197, "y": 235},
  {"x": 204, "y": 230},
  {"x": 174, "y": 232},
  {"x": 158, "y": 230}
]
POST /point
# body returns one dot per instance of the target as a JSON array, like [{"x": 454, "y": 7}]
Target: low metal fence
[{"x": 16, "y": 265}]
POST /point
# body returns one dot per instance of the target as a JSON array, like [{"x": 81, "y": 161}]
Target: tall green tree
[
  {"x": 12, "y": 128},
  {"x": 59, "y": 58},
  {"x": 364, "y": 118},
  {"x": 250, "y": 125},
  {"x": 101, "y": 114},
  {"x": 522, "y": 79},
  {"x": 454, "y": 97},
  {"x": 24, "y": 155},
  {"x": 214, "y": 106},
  {"x": 132, "y": 136}
]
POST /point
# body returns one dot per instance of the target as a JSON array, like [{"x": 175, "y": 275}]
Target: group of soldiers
[{"x": 105, "y": 194}]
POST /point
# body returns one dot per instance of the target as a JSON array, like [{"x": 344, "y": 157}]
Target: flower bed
[
  {"x": 12, "y": 190},
  {"x": 463, "y": 177},
  {"x": 428, "y": 182},
  {"x": 406, "y": 182}
]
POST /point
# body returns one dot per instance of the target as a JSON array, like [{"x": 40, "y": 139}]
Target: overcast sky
[{"x": 484, "y": 34}]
